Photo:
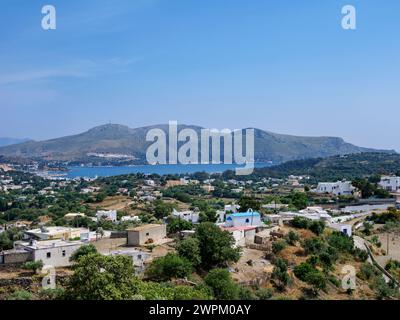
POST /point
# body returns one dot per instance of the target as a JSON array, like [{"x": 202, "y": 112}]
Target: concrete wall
[
  {"x": 15, "y": 257},
  {"x": 59, "y": 256},
  {"x": 140, "y": 237}
]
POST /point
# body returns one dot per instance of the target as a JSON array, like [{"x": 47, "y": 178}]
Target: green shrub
[
  {"x": 222, "y": 285},
  {"x": 21, "y": 295},
  {"x": 278, "y": 246},
  {"x": 168, "y": 267},
  {"x": 34, "y": 266}
]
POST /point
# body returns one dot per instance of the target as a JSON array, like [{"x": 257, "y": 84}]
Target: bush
[
  {"x": 361, "y": 255},
  {"x": 34, "y": 266},
  {"x": 21, "y": 295},
  {"x": 314, "y": 246},
  {"x": 292, "y": 237},
  {"x": 168, "y": 267},
  {"x": 280, "y": 273},
  {"x": 278, "y": 246},
  {"x": 307, "y": 273},
  {"x": 383, "y": 290},
  {"x": 367, "y": 271},
  {"x": 246, "y": 294},
  {"x": 52, "y": 294},
  {"x": 222, "y": 285},
  {"x": 317, "y": 227},
  {"x": 192, "y": 293},
  {"x": 264, "y": 294},
  {"x": 341, "y": 242},
  {"x": 300, "y": 223}
]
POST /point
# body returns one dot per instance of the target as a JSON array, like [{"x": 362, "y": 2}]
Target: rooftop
[
  {"x": 37, "y": 245},
  {"x": 51, "y": 230},
  {"x": 244, "y": 214},
  {"x": 146, "y": 227}
]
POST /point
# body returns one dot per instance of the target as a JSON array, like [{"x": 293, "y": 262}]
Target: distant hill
[
  {"x": 337, "y": 167},
  {"x": 5, "y": 141},
  {"x": 119, "y": 139}
]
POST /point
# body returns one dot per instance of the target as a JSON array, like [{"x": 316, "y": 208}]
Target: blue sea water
[{"x": 91, "y": 172}]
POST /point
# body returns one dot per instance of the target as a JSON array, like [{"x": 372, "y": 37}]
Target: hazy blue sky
[{"x": 286, "y": 66}]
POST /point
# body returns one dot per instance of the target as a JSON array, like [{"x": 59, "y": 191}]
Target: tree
[
  {"x": 317, "y": 227},
  {"x": 222, "y": 285},
  {"x": 341, "y": 242},
  {"x": 162, "y": 209},
  {"x": 300, "y": 223},
  {"x": 317, "y": 280},
  {"x": 247, "y": 203},
  {"x": 314, "y": 245},
  {"x": 176, "y": 225},
  {"x": 309, "y": 274},
  {"x": 5, "y": 242},
  {"x": 100, "y": 197},
  {"x": 190, "y": 249},
  {"x": 98, "y": 277},
  {"x": 367, "y": 228},
  {"x": 168, "y": 267},
  {"x": 299, "y": 200},
  {"x": 216, "y": 246},
  {"x": 280, "y": 273},
  {"x": 292, "y": 237},
  {"x": 83, "y": 251}
]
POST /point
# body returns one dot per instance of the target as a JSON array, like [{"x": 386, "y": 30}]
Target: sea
[{"x": 92, "y": 172}]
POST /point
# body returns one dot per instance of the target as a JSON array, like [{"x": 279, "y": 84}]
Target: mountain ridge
[{"x": 121, "y": 139}]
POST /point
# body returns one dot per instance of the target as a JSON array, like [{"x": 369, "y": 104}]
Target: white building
[
  {"x": 390, "y": 183},
  {"x": 189, "y": 216},
  {"x": 231, "y": 208},
  {"x": 318, "y": 212},
  {"x": 139, "y": 258},
  {"x": 110, "y": 215},
  {"x": 56, "y": 253},
  {"x": 242, "y": 235},
  {"x": 54, "y": 233},
  {"x": 243, "y": 219},
  {"x": 344, "y": 228},
  {"x": 339, "y": 188},
  {"x": 130, "y": 219}
]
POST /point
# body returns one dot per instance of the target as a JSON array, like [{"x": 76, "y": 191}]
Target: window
[
  {"x": 63, "y": 253},
  {"x": 48, "y": 255},
  {"x": 147, "y": 234},
  {"x": 247, "y": 220}
]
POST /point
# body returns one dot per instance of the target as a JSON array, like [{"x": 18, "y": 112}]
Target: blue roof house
[{"x": 243, "y": 219}]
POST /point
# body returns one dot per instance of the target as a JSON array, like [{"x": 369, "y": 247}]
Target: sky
[{"x": 283, "y": 66}]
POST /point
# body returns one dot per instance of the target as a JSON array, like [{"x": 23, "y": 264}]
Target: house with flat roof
[
  {"x": 110, "y": 215},
  {"x": 339, "y": 188},
  {"x": 242, "y": 235},
  {"x": 189, "y": 216},
  {"x": 146, "y": 234},
  {"x": 54, "y": 233},
  {"x": 56, "y": 253},
  {"x": 242, "y": 219}
]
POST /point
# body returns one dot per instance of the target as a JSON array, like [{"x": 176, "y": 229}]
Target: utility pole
[{"x": 387, "y": 244}]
